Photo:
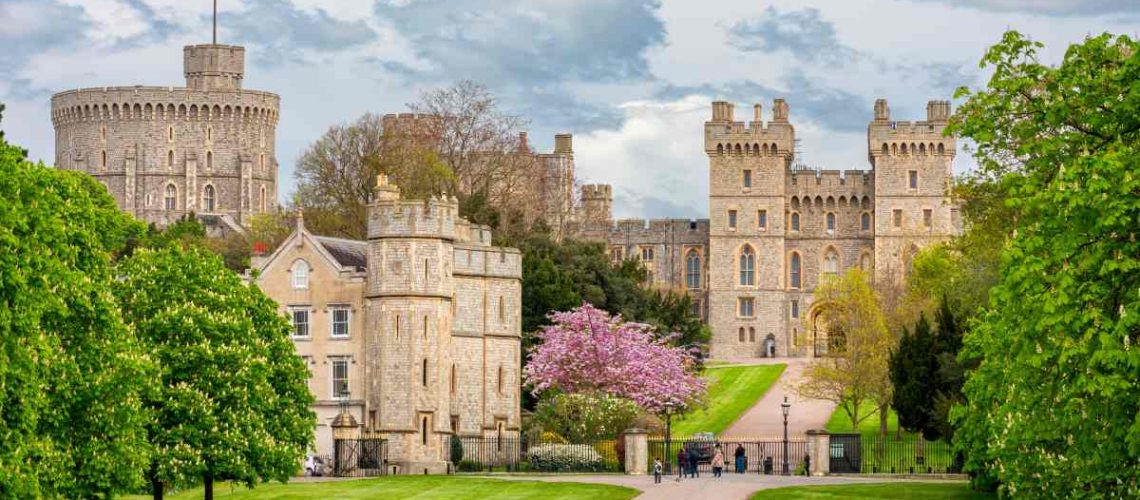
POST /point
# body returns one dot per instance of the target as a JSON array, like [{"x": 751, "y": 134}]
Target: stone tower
[
  {"x": 748, "y": 164},
  {"x": 912, "y": 163},
  {"x": 163, "y": 152},
  {"x": 409, "y": 299},
  {"x": 597, "y": 206}
]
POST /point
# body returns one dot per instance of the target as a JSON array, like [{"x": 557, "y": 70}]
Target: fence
[
  {"x": 761, "y": 456},
  {"x": 365, "y": 457},
  {"x": 531, "y": 454},
  {"x": 891, "y": 454}
]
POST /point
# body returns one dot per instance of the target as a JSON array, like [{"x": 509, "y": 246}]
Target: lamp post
[
  {"x": 785, "y": 407},
  {"x": 668, "y": 439}
]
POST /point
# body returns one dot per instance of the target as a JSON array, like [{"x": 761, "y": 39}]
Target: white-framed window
[
  {"x": 300, "y": 315},
  {"x": 209, "y": 198},
  {"x": 762, "y": 220},
  {"x": 340, "y": 315},
  {"x": 339, "y": 366},
  {"x": 745, "y": 306},
  {"x": 732, "y": 220},
  {"x": 300, "y": 274}
]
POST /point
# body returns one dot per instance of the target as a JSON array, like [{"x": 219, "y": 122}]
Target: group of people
[{"x": 689, "y": 457}]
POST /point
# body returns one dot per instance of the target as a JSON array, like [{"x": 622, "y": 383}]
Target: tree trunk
[
  {"x": 855, "y": 418},
  {"x": 156, "y": 486},
  {"x": 883, "y": 420},
  {"x": 208, "y": 483}
]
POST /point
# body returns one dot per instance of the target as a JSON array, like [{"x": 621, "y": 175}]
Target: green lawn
[
  {"x": 840, "y": 422},
  {"x": 419, "y": 487},
  {"x": 732, "y": 391},
  {"x": 899, "y": 490},
  {"x": 896, "y": 452}
]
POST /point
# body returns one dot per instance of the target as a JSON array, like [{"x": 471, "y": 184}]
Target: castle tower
[
  {"x": 213, "y": 67},
  {"x": 913, "y": 176},
  {"x": 748, "y": 164},
  {"x": 597, "y": 206},
  {"x": 409, "y": 299}
]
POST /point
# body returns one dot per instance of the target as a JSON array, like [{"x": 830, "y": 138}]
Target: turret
[
  {"x": 563, "y": 144},
  {"x": 597, "y": 205},
  {"x": 213, "y": 67}
]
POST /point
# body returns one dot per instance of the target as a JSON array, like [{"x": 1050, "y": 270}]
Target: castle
[
  {"x": 164, "y": 152},
  {"x": 775, "y": 230},
  {"x": 416, "y": 332}
]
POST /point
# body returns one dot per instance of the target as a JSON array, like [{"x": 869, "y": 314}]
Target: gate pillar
[
  {"x": 819, "y": 449},
  {"x": 636, "y": 451}
]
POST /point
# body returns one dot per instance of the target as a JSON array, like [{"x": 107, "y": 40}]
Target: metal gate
[
  {"x": 360, "y": 457},
  {"x": 845, "y": 454}
]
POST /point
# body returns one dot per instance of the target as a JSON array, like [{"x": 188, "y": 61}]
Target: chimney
[
  {"x": 882, "y": 111},
  {"x": 564, "y": 143},
  {"x": 523, "y": 146},
  {"x": 757, "y": 116}
]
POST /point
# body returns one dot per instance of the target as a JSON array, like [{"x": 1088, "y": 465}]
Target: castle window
[
  {"x": 103, "y": 159},
  {"x": 794, "y": 277},
  {"x": 865, "y": 221},
  {"x": 912, "y": 179},
  {"x": 740, "y": 334},
  {"x": 397, "y": 329},
  {"x": 896, "y": 215},
  {"x": 300, "y": 274},
  {"x": 751, "y": 334},
  {"x": 339, "y": 377},
  {"x": 300, "y": 322},
  {"x": 738, "y": 149},
  {"x": 424, "y": 372},
  {"x": 208, "y": 198},
  {"x": 747, "y": 178},
  {"x": 261, "y": 199},
  {"x": 795, "y": 221},
  {"x": 209, "y": 160},
  {"x": 149, "y": 199},
  {"x": 647, "y": 254},
  {"x": 732, "y": 220},
  {"x": 903, "y": 149},
  {"x": 616, "y": 255},
  {"x": 795, "y": 308},
  {"x": 831, "y": 262},
  {"x": 500, "y": 381},
  {"x": 171, "y": 197},
  {"x": 209, "y": 133},
  {"x": 720, "y": 149},
  {"x": 424, "y": 430},
  {"x": 170, "y": 134},
  {"x": 453, "y": 388},
  {"x": 103, "y": 132},
  {"x": 745, "y": 306},
  {"x": 502, "y": 310},
  {"x": 747, "y": 267},
  {"x": 261, "y": 162},
  {"x": 865, "y": 262},
  {"x": 340, "y": 315},
  {"x": 693, "y": 270},
  {"x": 927, "y": 218},
  {"x": 922, "y": 148},
  {"x": 894, "y": 147},
  {"x": 941, "y": 149},
  {"x": 830, "y": 222},
  {"x": 762, "y": 220},
  {"x": 885, "y": 149},
  {"x": 425, "y": 327}
]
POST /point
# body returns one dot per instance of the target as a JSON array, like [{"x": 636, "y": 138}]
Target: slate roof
[{"x": 348, "y": 253}]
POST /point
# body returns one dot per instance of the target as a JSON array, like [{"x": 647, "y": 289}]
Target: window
[
  {"x": 912, "y": 179},
  {"x": 340, "y": 316},
  {"x": 744, "y": 306},
  {"x": 300, "y": 274},
  {"x": 794, "y": 280},
  {"x": 209, "y": 160},
  {"x": 732, "y": 219},
  {"x": 762, "y": 220},
  {"x": 751, "y": 334},
  {"x": 171, "y": 197},
  {"x": 502, "y": 310},
  {"x": 424, "y": 373},
  {"x": 170, "y": 159},
  {"x": 616, "y": 255},
  {"x": 927, "y": 218},
  {"x": 499, "y": 384},
  {"x": 865, "y": 262},
  {"x": 340, "y": 378},
  {"x": 830, "y": 222},
  {"x": 865, "y": 222},
  {"x": 740, "y": 334},
  {"x": 208, "y": 198},
  {"x": 209, "y": 133},
  {"x": 831, "y": 262},
  {"x": 301, "y": 322},
  {"x": 103, "y": 160},
  {"x": 693, "y": 270},
  {"x": 423, "y": 430},
  {"x": 170, "y": 134},
  {"x": 747, "y": 181},
  {"x": 453, "y": 378},
  {"x": 896, "y": 214},
  {"x": 747, "y": 266},
  {"x": 261, "y": 199},
  {"x": 647, "y": 254},
  {"x": 795, "y": 308},
  {"x": 795, "y": 222}
]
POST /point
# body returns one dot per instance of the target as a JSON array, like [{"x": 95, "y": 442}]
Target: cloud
[
  {"x": 284, "y": 32},
  {"x": 1060, "y": 8},
  {"x": 32, "y": 27},
  {"x": 804, "y": 33}
]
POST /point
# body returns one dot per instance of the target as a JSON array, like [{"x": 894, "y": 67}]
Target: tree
[
  {"x": 1051, "y": 407},
  {"x": 914, "y": 368},
  {"x": 231, "y": 400},
  {"x": 857, "y": 371},
  {"x": 587, "y": 416},
  {"x": 71, "y": 372},
  {"x": 588, "y": 350}
]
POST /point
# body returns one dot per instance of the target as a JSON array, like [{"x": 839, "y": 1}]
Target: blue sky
[{"x": 631, "y": 79}]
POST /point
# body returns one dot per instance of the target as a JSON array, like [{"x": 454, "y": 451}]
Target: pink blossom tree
[{"x": 587, "y": 349}]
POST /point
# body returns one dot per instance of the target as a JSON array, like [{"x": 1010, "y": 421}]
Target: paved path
[
  {"x": 765, "y": 419},
  {"x": 731, "y": 486}
]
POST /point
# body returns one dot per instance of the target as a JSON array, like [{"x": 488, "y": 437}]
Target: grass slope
[
  {"x": 732, "y": 391},
  {"x": 840, "y": 422},
  {"x": 418, "y": 487},
  {"x": 900, "y": 490}
]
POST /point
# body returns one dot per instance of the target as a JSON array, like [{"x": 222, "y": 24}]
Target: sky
[{"x": 631, "y": 79}]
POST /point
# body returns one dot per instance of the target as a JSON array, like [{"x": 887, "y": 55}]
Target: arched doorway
[
  {"x": 827, "y": 337},
  {"x": 770, "y": 346}
]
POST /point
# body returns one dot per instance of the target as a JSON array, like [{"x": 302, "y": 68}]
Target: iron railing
[
  {"x": 530, "y": 454},
  {"x": 761, "y": 455}
]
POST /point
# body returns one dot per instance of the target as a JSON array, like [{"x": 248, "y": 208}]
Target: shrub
[
  {"x": 565, "y": 458},
  {"x": 456, "y": 450},
  {"x": 470, "y": 466},
  {"x": 552, "y": 437}
]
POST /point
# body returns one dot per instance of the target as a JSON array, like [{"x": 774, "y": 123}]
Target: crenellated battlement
[
  {"x": 658, "y": 226},
  {"x": 910, "y": 138},
  {"x": 597, "y": 191},
  {"x": 391, "y": 217},
  {"x": 725, "y": 137}
]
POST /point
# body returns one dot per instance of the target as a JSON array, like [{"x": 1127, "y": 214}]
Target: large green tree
[
  {"x": 71, "y": 372},
  {"x": 231, "y": 400},
  {"x": 1053, "y": 407}
]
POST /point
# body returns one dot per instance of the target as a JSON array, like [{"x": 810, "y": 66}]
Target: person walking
[
  {"x": 741, "y": 459},
  {"x": 682, "y": 463},
  {"x": 694, "y": 462},
  {"x": 717, "y": 461},
  {"x": 657, "y": 470}
]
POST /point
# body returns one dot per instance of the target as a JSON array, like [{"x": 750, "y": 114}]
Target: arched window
[
  {"x": 903, "y": 149},
  {"x": 865, "y": 222},
  {"x": 830, "y": 221},
  {"x": 171, "y": 197},
  {"x": 795, "y": 221},
  {"x": 741, "y": 334},
  {"x": 747, "y": 266},
  {"x": 693, "y": 270},
  {"x": 209, "y": 198},
  {"x": 941, "y": 150},
  {"x": 831, "y": 262},
  {"x": 894, "y": 148},
  {"x": 886, "y": 150},
  {"x": 738, "y": 149},
  {"x": 301, "y": 276},
  {"x": 720, "y": 149},
  {"x": 170, "y": 159},
  {"x": 794, "y": 278}
]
